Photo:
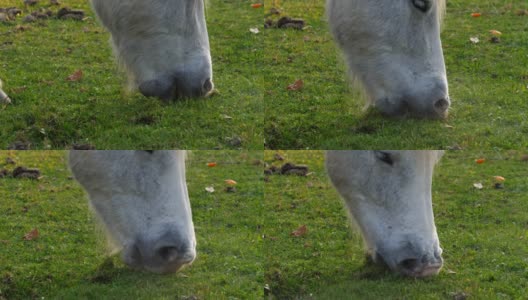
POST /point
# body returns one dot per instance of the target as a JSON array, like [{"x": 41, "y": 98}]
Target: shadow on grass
[
  {"x": 284, "y": 288},
  {"x": 366, "y": 130}
]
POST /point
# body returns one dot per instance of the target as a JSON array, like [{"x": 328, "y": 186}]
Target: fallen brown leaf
[
  {"x": 230, "y": 182},
  {"x": 297, "y": 85},
  {"x": 499, "y": 178},
  {"x": 32, "y": 235},
  {"x": 495, "y": 32},
  {"x": 76, "y": 76},
  {"x": 299, "y": 231}
]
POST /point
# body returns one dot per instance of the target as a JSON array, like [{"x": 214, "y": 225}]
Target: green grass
[
  {"x": 488, "y": 85},
  {"x": 483, "y": 234},
  {"x": 49, "y": 112},
  {"x": 244, "y": 242},
  {"x": 67, "y": 261}
]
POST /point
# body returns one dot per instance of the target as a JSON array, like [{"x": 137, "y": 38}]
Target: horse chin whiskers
[
  {"x": 357, "y": 85},
  {"x": 376, "y": 258}
]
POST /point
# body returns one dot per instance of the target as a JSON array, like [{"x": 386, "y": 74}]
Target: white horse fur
[
  {"x": 141, "y": 199},
  {"x": 393, "y": 49},
  {"x": 163, "y": 45},
  {"x": 3, "y": 96},
  {"x": 388, "y": 196}
]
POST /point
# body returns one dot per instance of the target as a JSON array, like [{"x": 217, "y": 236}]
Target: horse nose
[
  {"x": 412, "y": 257},
  {"x": 174, "y": 87},
  {"x": 167, "y": 255},
  {"x": 420, "y": 266}
]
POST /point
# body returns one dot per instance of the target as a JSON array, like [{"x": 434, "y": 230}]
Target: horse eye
[
  {"x": 384, "y": 157},
  {"x": 149, "y": 151},
  {"x": 423, "y": 5}
]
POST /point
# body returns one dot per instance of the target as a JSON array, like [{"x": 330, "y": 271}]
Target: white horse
[
  {"x": 141, "y": 198},
  {"x": 163, "y": 45},
  {"x": 388, "y": 196},
  {"x": 393, "y": 48}
]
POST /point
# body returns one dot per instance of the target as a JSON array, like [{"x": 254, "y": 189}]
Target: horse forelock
[{"x": 357, "y": 85}]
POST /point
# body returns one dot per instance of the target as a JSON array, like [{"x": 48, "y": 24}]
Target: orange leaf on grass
[
  {"x": 476, "y": 15},
  {"x": 495, "y": 32},
  {"x": 33, "y": 234},
  {"x": 211, "y": 164},
  {"x": 499, "y": 178},
  {"x": 297, "y": 85},
  {"x": 256, "y": 5},
  {"x": 480, "y": 161},
  {"x": 76, "y": 76},
  {"x": 230, "y": 182},
  {"x": 299, "y": 231}
]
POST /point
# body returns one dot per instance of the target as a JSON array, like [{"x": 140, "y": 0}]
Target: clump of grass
[{"x": 105, "y": 272}]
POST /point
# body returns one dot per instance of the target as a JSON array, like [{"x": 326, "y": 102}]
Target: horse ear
[{"x": 423, "y": 5}]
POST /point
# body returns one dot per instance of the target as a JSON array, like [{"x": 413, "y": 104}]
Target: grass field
[
  {"x": 488, "y": 85},
  {"x": 244, "y": 243},
  {"x": 49, "y": 112},
  {"x": 483, "y": 234},
  {"x": 67, "y": 260}
]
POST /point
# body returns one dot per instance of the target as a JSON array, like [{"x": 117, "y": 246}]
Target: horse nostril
[
  {"x": 409, "y": 264},
  {"x": 168, "y": 253},
  {"x": 441, "y": 105},
  {"x": 208, "y": 85},
  {"x": 424, "y": 267}
]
